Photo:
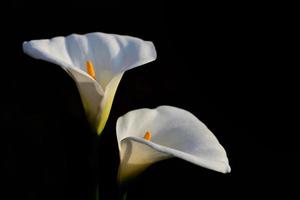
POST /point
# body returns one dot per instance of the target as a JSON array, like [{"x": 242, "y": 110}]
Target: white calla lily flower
[
  {"x": 146, "y": 136},
  {"x": 96, "y": 62}
]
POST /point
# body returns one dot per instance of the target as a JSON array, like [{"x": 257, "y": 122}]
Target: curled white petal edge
[
  {"x": 29, "y": 49},
  {"x": 219, "y": 166}
]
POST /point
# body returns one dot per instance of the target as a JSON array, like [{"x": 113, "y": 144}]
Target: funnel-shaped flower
[
  {"x": 146, "y": 136},
  {"x": 96, "y": 62}
]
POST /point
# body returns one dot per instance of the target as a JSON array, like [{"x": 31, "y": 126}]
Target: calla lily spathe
[
  {"x": 96, "y": 62},
  {"x": 146, "y": 136}
]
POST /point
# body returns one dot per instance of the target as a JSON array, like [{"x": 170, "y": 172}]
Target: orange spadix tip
[
  {"x": 90, "y": 69},
  {"x": 147, "y": 136}
]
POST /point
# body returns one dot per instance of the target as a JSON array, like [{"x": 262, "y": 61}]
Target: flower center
[
  {"x": 90, "y": 69},
  {"x": 147, "y": 136}
]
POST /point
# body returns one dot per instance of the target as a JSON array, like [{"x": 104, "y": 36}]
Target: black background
[{"x": 228, "y": 63}]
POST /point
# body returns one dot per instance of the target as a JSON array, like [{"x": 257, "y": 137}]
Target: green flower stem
[
  {"x": 97, "y": 192},
  {"x": 124, "y": 187},
  {"x": 124, "y": 196},
  {"x": 94, "y": 161}
]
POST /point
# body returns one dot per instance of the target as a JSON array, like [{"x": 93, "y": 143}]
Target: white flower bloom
[
  {"x": 96, "y": 62},
  {"x": 146, "y": 136}
]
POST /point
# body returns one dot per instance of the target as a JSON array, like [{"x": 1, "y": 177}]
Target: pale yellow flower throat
[
  {"x": 90, "y": 69},
  {"x": 147, "y": 136}
]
